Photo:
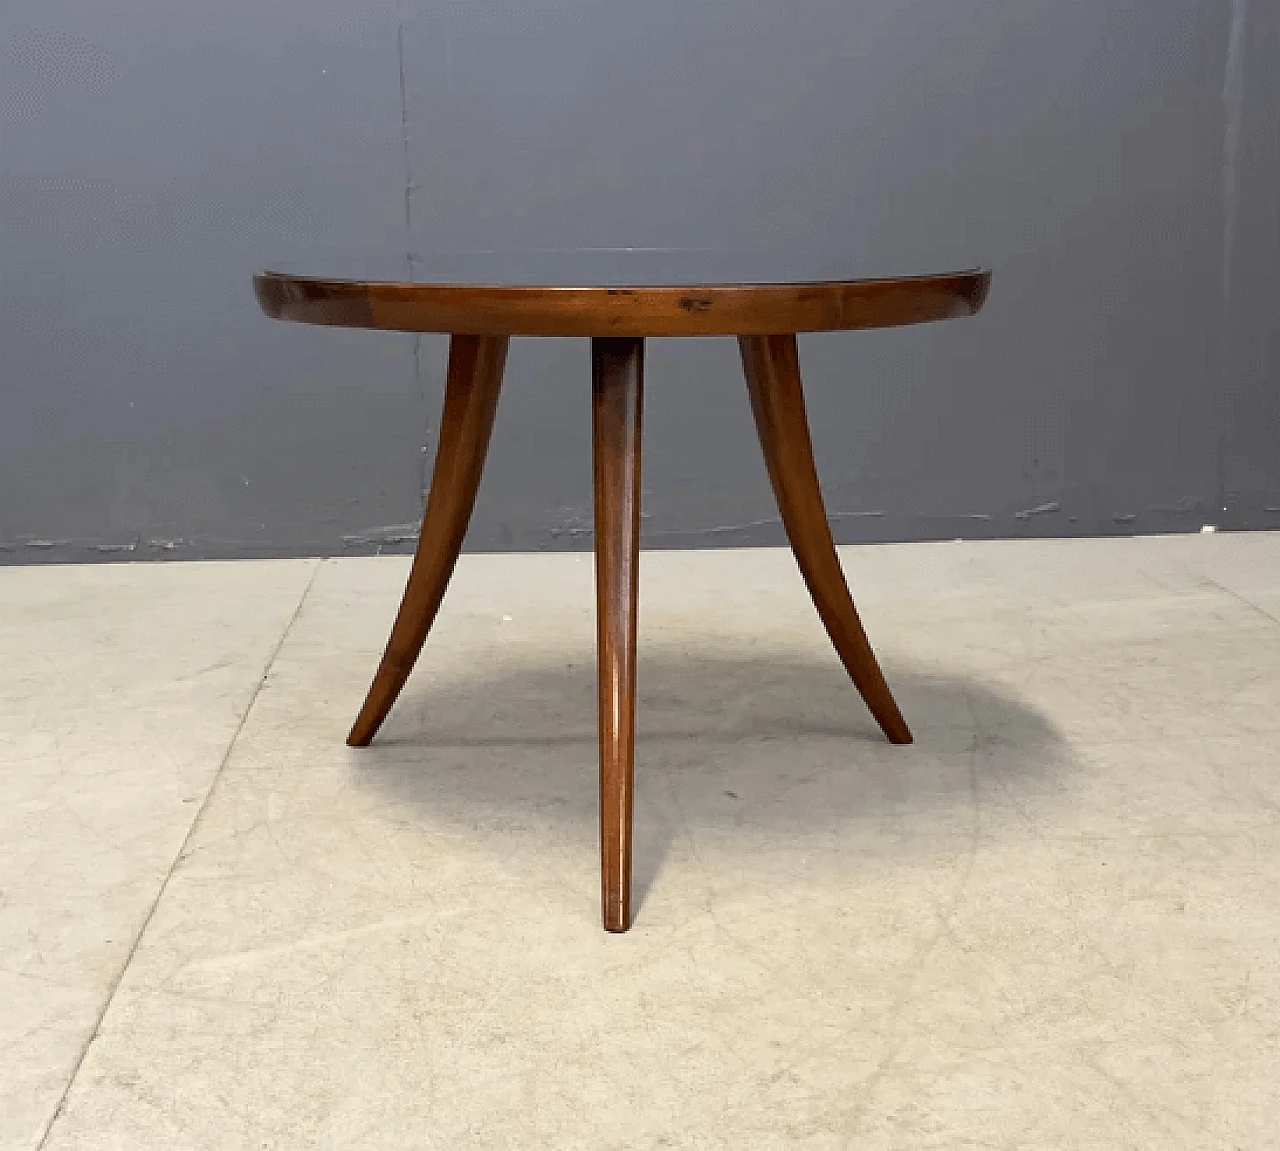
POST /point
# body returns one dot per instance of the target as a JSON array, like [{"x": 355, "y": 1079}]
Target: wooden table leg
[
  {"x": 470, "y": 403},
  {"x": 617, "y": 382},
  {"x": 772, "y": 366}
]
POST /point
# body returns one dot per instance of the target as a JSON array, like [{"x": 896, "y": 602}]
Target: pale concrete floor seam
[
  {"x": 1242, "y": 599},
  {"x": 177, "y": 858}
]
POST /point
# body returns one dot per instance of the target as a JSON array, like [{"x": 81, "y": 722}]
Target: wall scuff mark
[
  {"x": 721, "y": 529},
  {"x": 1038, "y": 510},
  {"x": 378, "y": 537}
]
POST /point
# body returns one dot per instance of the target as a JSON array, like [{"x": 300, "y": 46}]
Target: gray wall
[{"x": 1116, "y": 163}]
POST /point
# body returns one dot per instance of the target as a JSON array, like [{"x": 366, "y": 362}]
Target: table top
[{"x": 621, "y": 292}]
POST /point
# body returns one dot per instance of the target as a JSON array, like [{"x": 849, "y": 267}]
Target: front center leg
[{"x": 617, "y": 386}]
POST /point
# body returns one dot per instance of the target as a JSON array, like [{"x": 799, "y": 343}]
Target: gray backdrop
[{"x": 1116, "y": 163}]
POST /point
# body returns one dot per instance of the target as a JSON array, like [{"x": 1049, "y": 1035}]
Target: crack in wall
[
  {"x": 410, "y": 259},
  {"x": 1233, "y": 98},
  {"x": 1233, "y": 116}
]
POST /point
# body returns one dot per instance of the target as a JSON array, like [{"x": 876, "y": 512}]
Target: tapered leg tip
[
  {"x": 359, "y": 738},
  {"x": 617, "y": 917}
]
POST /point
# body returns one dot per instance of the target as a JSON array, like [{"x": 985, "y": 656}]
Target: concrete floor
[{"x": 1052, "y": 922}]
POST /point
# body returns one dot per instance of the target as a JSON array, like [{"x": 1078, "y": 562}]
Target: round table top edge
[{"x": 971, "y": 276}]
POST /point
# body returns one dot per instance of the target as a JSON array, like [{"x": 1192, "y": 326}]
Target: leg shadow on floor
[{"x": 734, "y": 737}]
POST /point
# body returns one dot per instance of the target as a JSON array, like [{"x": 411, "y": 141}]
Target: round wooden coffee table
[{"x": 617, "y": 312}]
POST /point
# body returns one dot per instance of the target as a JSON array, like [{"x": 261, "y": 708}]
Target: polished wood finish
[
  {"x": 480, "y": 319},
  {"x": 690, "y": 310},
  {"x": 772, "y": 366},
  {"x": 617, "y": 394},
  {"x": 470, "y": 403}
]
